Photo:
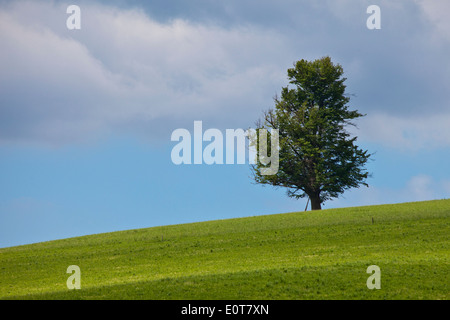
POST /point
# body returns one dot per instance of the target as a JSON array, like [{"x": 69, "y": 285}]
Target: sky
[{"x": 86, "y": 115}]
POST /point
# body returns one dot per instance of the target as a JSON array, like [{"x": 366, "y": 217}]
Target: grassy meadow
[{"x": 300, "y": 255}]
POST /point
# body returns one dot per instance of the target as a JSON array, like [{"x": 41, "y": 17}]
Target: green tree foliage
[{"x": 318, "y": 158}]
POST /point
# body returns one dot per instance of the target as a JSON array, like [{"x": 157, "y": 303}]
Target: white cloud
[
  {"x": 436, "y": 12},
  {"x": 124, "y": 68},
  {"x": 126, "y": 71},
  {"x": 407, "y": 133},
  {"x": 423, "y": 187},
  {"x": 446, "y": 188},
  {"x": 420, "y": 187}
]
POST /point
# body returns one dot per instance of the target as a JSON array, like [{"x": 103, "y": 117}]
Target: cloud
[
  {"x": 446, "y": 188},
  {"x": 123, "y": 69},
  {"x": 423, "y": 187},
  {"x": 44, "y": 84},
  {"x": 406, "y": 133},
  {"x": 126, "y": 71},
  {"x": 420, "y": 187},
  {"x": 437, "y": 14}
]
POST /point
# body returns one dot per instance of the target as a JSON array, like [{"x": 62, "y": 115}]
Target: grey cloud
[{"x": 132, "y": 70}]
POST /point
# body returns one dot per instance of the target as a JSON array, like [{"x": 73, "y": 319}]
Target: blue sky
[{"x": 86, "y": 115}]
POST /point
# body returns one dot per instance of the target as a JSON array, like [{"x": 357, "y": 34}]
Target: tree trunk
[{"x": 315, "y": 202}]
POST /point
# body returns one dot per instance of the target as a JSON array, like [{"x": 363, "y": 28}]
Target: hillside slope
[{"x": 303, "y": 255}]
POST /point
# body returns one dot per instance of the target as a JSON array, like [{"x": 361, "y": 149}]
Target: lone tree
[{"x": 317, "y": 156}]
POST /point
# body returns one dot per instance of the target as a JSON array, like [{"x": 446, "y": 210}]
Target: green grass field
[{"x": 303, "y": 255}]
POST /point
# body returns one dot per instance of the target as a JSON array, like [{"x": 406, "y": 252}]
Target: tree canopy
[{"x": 318, "y": 157}]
